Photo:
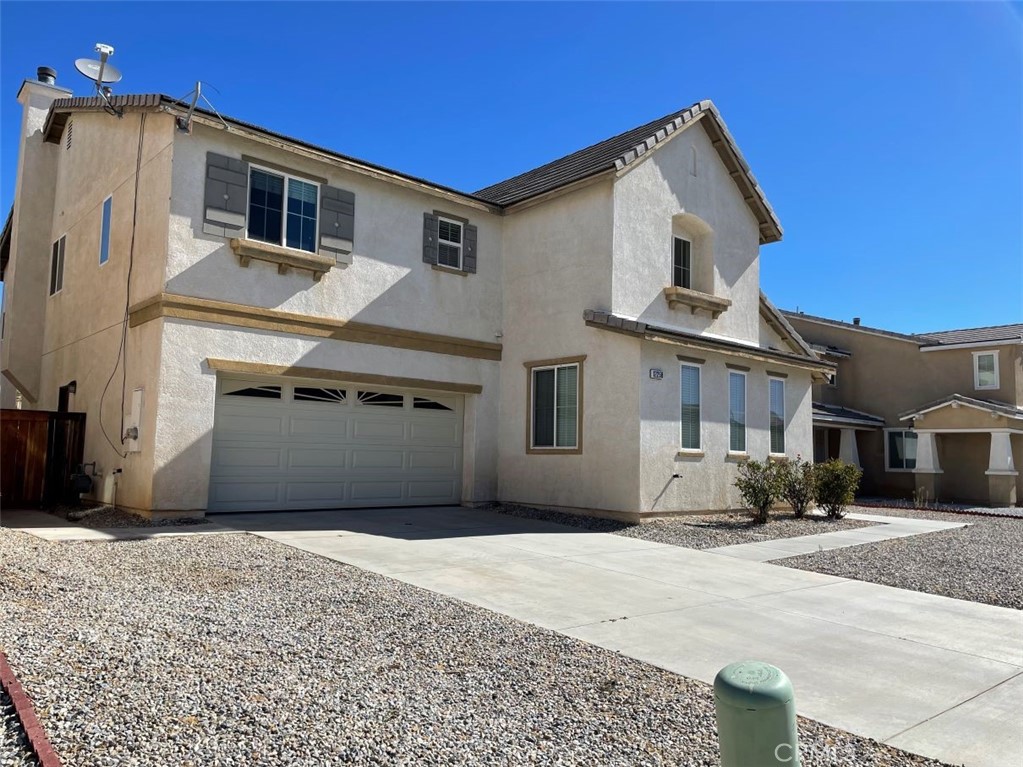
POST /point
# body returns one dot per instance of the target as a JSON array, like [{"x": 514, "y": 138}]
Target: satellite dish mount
[{"x": 103, "y": 74}]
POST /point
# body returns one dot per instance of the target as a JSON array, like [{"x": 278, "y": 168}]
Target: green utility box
[{"x": 756, "y": 713}]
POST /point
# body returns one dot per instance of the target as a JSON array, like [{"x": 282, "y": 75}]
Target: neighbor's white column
[
  {"x": 1000, "y": 461},
  {"x": 927, "y": 454},
  {"x": 847, "y": 447}
]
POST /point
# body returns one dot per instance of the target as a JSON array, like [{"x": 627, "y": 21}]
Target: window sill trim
[
  {"x": 986, "y": 388},
  {"x": 554, "y": 451},
  {"x": 449, "y": 270},
  {"x": 777, "y": 457},
  {"x": 694, "y": 300},
  {"x": 901, "y": 471},
  {"x": 285, "y": 258},
  {"x": 684, "y": 453},
  {"x": 740, "y": 456}
]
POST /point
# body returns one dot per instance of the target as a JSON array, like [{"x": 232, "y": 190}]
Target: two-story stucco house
[
  {"x": 939, "y": 413},
  {"x": 252, "y": 322}
]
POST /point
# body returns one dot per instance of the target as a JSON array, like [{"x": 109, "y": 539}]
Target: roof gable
[{"x": 620, "y": 153}]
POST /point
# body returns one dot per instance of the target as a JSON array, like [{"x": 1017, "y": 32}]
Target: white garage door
[{"x": 314, "y": 445}]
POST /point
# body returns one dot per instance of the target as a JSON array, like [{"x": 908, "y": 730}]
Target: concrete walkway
[
  {"x": 53, "y": 528},
  {"x": 936, "y": 676},
  {"x": 887, "y": 528}
]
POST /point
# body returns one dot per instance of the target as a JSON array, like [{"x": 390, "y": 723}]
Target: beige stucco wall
[
  {"x": 28, "y": 270},
  {"x": 964, "y": 459},
  {"x": 661, "y": 196},
  {"x": 558, "y": 265},
  {"x": 707, "y": 480},
  {"x": 387, "y": 283}
]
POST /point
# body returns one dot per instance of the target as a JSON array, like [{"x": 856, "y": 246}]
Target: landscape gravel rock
[
  {"x": 108, "y": 517},
  {"x": 14, "y": 748},
  {"x": 697, "y": 531},
  {"x": 235, "y": 650},
  {"x": 982, "y": 562}
]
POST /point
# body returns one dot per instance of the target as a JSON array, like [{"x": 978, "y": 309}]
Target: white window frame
[
  {"x": 449, "y": 243},
  {"x": 109, "y": 225},
  {"x": 532, "y": 405},
  {"x": 61, "y": 254},
  {"x": 679, "y": 237},
  {"x": 770, "y": 447},
  {"x": 745, "y": 412},
  {"x": 284, "y": 205},
  {"x": 698, "y": 450},
  {"x": 887, "y": 457},
  {"x": 976, "y": 371}
]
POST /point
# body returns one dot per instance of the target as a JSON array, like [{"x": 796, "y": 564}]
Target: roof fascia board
[
  {"x": 848, "y": 421},
  {"x": 959, "y": 403},
  {"x": 379, "y": 175},
  {"x": 530, "y": 202},
  {"x": 777, "y": 322},
  {"x": 855, "y": 328},
  {"x": 972, "y": 345}
]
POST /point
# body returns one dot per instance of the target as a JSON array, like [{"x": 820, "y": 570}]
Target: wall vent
[{"x": 67, "y": 135}]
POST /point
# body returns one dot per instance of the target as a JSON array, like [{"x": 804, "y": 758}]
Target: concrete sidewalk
[
  {"x": 936, "y": 676},
  {"x": 885, "y": 529}
]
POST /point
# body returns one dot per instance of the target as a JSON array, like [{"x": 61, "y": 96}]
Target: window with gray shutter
[
  {"x": 431, "y": 235},
  {"x": 469, "y": 249},
  {"x": 337, "y": 223},
  {"x": 226, "y": 195}
]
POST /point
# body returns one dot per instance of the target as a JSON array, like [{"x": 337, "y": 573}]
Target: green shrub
[
  {"x": 758, "y": 486},
  {"x": 835, "y": 484},
  {"x": 795, "y": 484}
]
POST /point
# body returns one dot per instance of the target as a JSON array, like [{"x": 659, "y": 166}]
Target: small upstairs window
[
  {"x": 682, "y": 263},
  {"x": 449, "y": 244},
  {"x": 57, "y": 266},
  {"x": 282, "y": 210},
  {"x": 985, "y": 370}
]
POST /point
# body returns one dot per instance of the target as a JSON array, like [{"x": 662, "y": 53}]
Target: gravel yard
[
  {"x": 14, "y": 750},
  {"x": 101, "y": 517},
  {"x": 234, "y": 650},
  {"x": 980, "y": 563},
  {"x": 704, "y": 531}
]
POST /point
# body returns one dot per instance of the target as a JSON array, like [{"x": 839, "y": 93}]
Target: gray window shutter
[
  {"x": 469, "y": 249},
  {"x": 227, "y": 185},
  {"x": 431, "y": 233},
  {"x": 337, "y": 223}
]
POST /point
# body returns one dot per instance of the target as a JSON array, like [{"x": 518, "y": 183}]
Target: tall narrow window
[
  {"x": 555, "y": 417},
  {"x": 104, "y": 231},
  {"x": 777, "y": 415},
  {"x": 985, "y": 370},
  {"x": 682, "y": 263},
  {"x": 690, "y": 407},
  {"x": 736, "y": 412},
  {"x": 301, "y": 215},
  {"x": 449, "y": 247},
  {"x": 57, "y": 266}
]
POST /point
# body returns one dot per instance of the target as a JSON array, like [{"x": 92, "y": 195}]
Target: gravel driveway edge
[{"x": 38, "y": 742}]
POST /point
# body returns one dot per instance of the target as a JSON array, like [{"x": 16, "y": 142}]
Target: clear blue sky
[{"x": 888, "y": 137}]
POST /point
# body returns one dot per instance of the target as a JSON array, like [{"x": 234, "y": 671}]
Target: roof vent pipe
[
  {"x": 856, "y": 320},
  {"x": 47, "y": 75}
]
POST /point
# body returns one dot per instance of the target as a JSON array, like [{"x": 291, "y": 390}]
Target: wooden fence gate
[{"x": 39, "y": 451}]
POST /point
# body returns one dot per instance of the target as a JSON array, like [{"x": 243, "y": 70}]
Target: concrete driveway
[{"x": 936, "y": 676}]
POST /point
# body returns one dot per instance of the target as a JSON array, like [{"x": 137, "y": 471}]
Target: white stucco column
[
  {"x": 1000, "y": 460},
  {"x": 927, "y": 454},
  {"x": 847, "y": 451}
]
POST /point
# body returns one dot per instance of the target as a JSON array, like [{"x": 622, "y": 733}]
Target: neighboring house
[
  {"x": 253, "y": 322},
  {"x": 938, "y": 413}
]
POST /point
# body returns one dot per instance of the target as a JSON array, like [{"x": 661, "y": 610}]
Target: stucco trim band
[
  {"x": 297, "y": 371},
  {"x": 256, "y": 317}
]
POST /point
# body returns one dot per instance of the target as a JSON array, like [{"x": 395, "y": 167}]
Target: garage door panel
[
  {"x": 324, "y": 424},
  {"x": 377, "y": 491},
  {"x": 365, "y": 458},
  {"x": 445, "y": 459},
  {"x": 327, "y": 492},
  {"x": 322, "y": 446},
  {"x": 317, "y": 458}
]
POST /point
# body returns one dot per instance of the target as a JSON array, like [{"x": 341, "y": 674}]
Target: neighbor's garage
[{"x": 288, "y": 444}]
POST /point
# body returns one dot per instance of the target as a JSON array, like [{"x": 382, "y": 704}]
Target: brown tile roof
[{"x": 976, "y": 335}]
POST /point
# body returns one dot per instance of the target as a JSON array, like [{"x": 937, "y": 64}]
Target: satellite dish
[{"x": 99, "y": 72}]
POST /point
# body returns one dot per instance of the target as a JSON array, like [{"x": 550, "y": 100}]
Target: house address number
[{"x": 656, "y": 373}]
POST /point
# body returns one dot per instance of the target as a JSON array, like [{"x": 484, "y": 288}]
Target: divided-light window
[
  {"x": 555, "y": 417},
  {"x": 282, "y": 210},
  {"x": 449, "y": 246},
  {"x": 682, "y": 263}
]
